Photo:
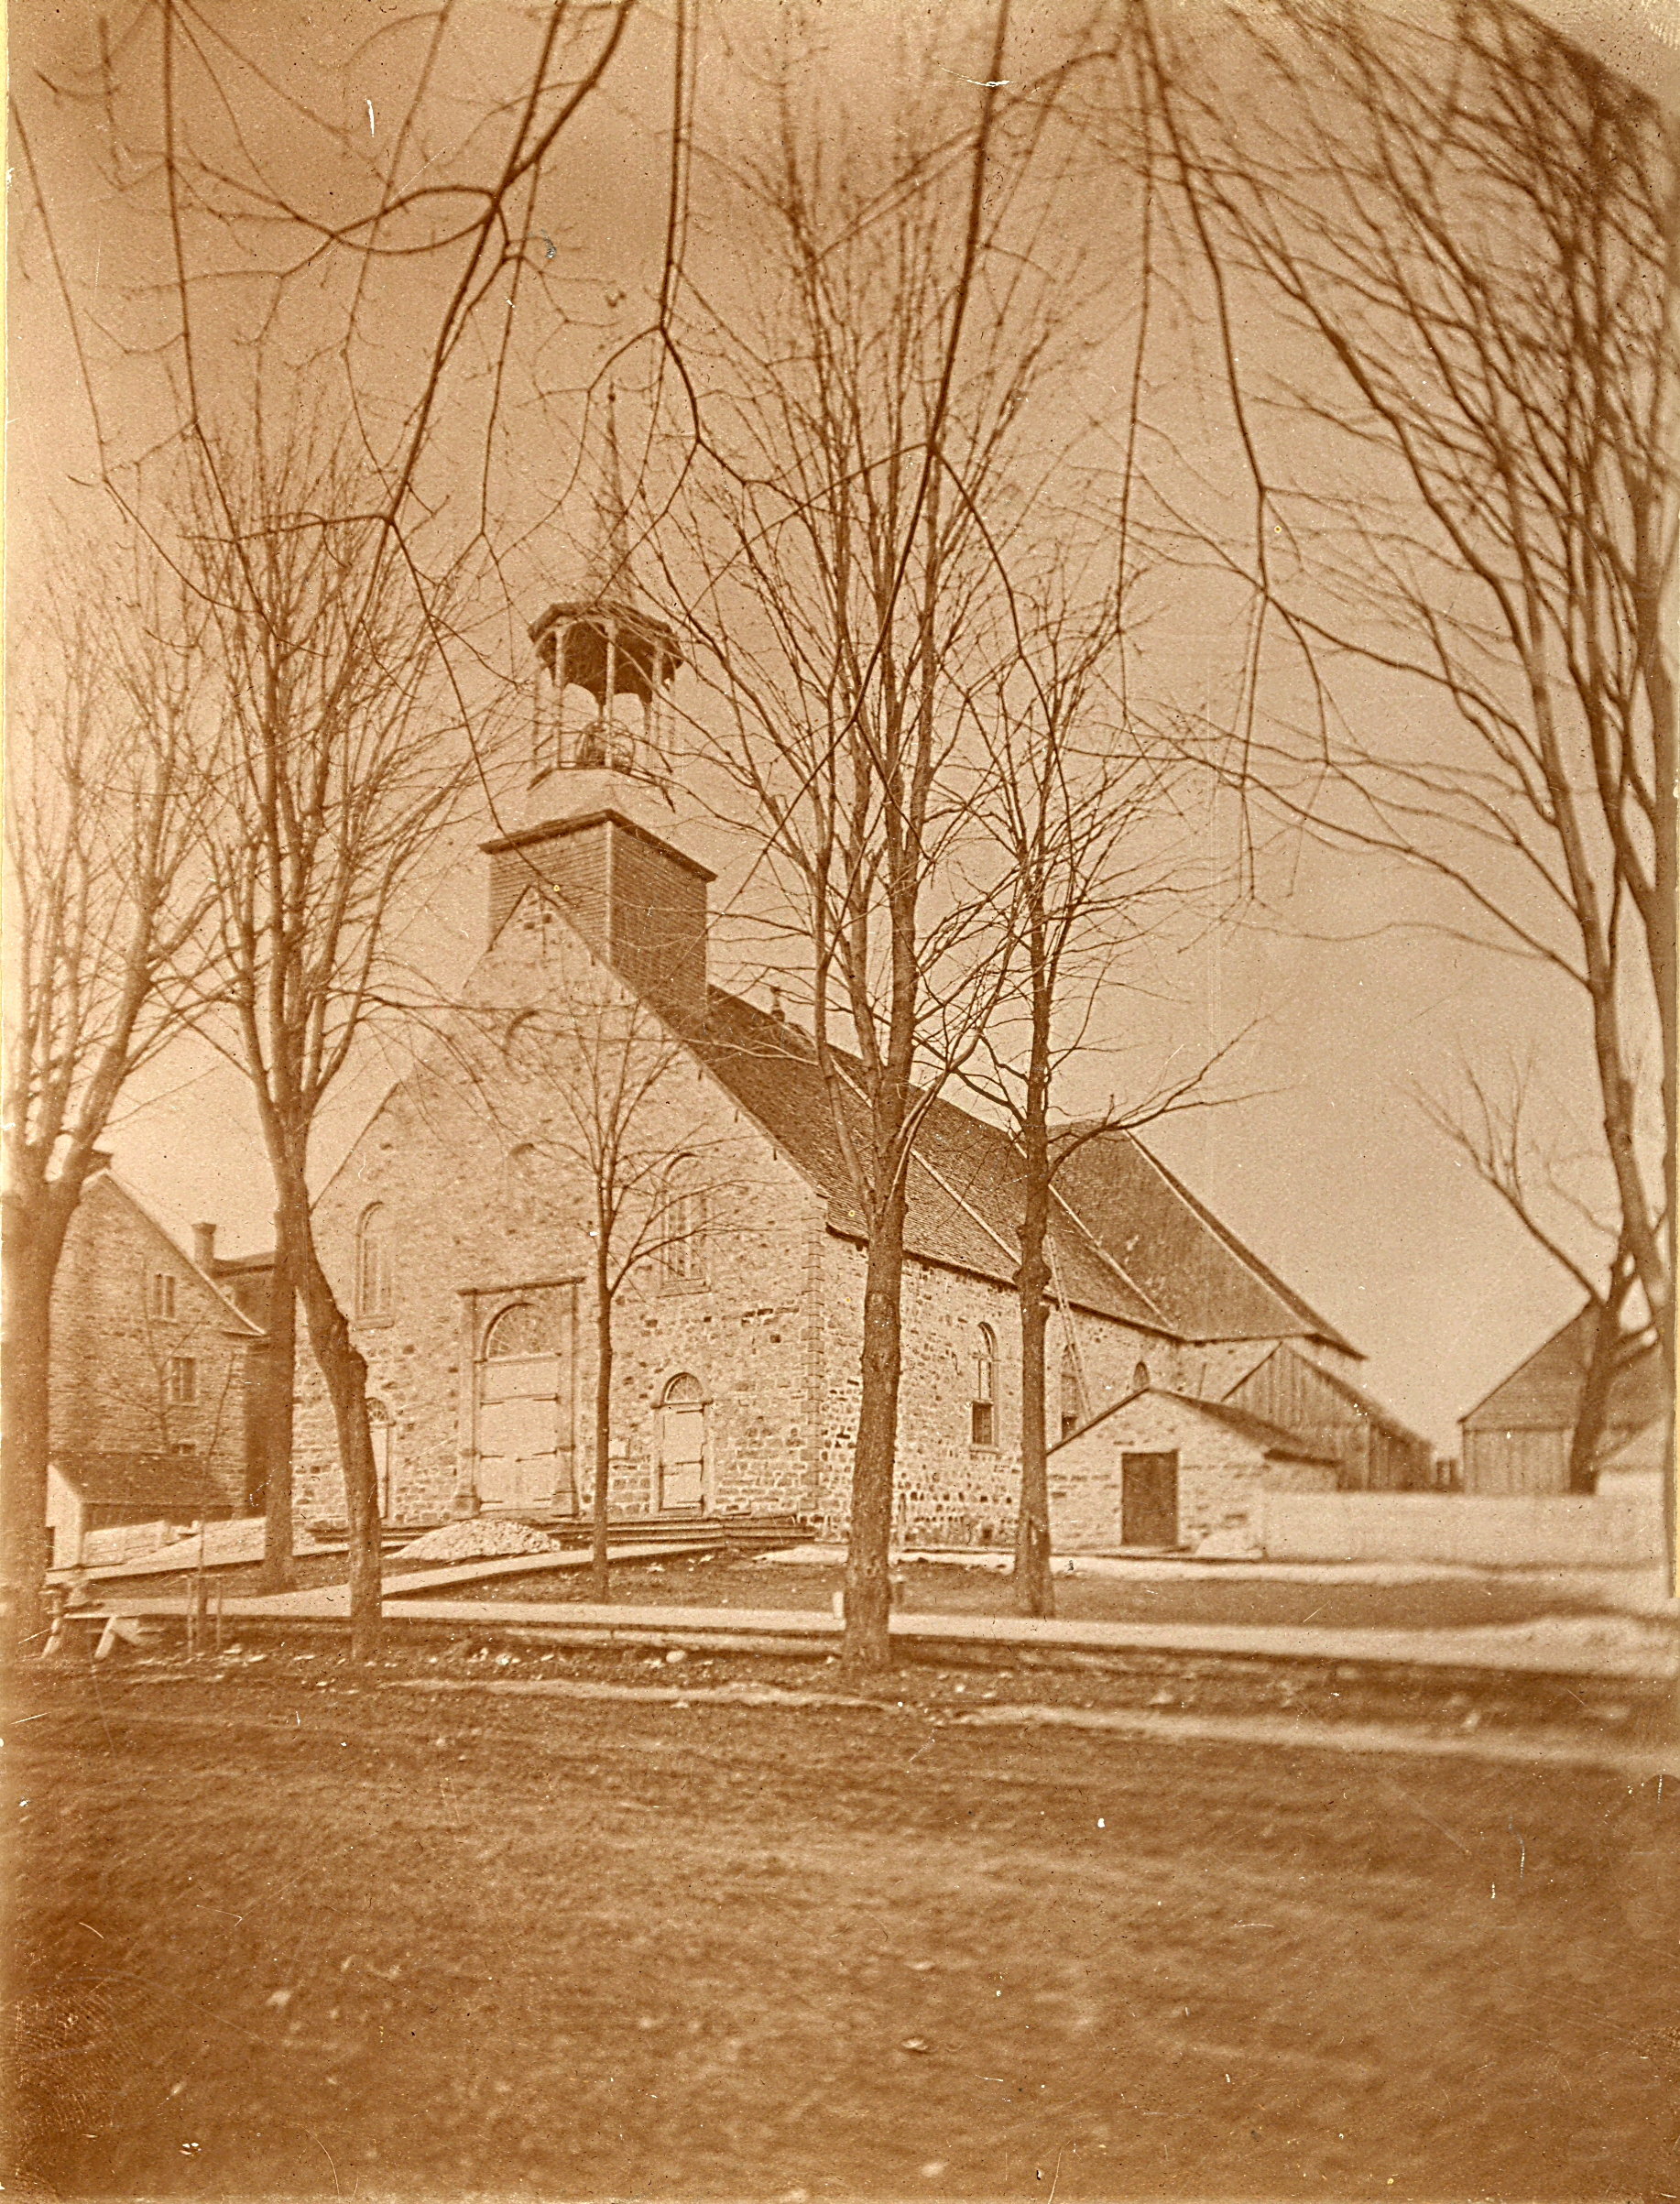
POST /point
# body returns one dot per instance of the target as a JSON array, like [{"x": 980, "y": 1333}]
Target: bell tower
[
  {"x": 606, "y": 664},
  {"x": 599, "y": 803}
]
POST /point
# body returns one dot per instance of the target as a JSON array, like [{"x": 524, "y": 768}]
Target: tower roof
[{"x": 600, "y": 584}]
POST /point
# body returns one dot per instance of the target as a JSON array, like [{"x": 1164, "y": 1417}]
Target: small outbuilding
[
  {"x": 1516, "y": 1439},
  {"x": 1167, "y": 1471},
  {"x": 148, "y": 1495}
]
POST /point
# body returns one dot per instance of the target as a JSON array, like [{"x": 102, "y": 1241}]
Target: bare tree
[
  {"x": 1469, "y": 232},
  {"x": 103, "y": 898},
  {"x": 868, "y": 453},
  {"x": 1540, "y": 1174},
  {"x": 1079, "y": 804},
  {"x": 322, "y": 800}
]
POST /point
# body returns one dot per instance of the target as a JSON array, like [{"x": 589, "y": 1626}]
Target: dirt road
[{"x": 325, "y": 1936}]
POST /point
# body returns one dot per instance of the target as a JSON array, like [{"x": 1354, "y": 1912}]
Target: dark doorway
[{"x": 1148, "y": 1499}]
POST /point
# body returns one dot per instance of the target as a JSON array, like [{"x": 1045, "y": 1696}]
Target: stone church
[{"x": 461, "y": 1232}]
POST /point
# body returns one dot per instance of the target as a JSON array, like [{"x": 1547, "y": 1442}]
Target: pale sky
[{"x": 1325, "y": 1165}]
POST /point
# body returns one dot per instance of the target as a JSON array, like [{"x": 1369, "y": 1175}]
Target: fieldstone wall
[
  {"x": 111, "y": 1352},
  {"x": 476, "y": 1164},
  {"x": 1222, "y": 1479},
  {"x": 948, "y": 1491}
]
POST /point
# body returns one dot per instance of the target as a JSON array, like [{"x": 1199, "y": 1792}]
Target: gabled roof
[
  {"x": 963, "y": 1206},
  {"x": 237, "y": 1321},
  {"x": 1207, "y": 1284},
  {"x": 174, "y": 1484},
  {"x": 1544, "y": 1392},
  {"x": 1344, "y": 1387},
  {"x": 1271, "y": 1439},
  {"x": 965, "y": 1196}
]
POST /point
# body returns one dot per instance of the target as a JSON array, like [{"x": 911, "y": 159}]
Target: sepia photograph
[{"x": 838, "y": 1081}]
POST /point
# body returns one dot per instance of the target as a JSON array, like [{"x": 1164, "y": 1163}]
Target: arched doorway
[
  {"x": 518, "y": 1409},
  {"x": 683, "y": 1446}
]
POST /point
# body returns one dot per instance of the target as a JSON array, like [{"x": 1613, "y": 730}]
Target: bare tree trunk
[
  {"x": 1035, "y": 1592},
  {"x": 343, "y": 1372},
  {"x": 32, "y": 1242},
  {"x": 866, "y": 1647},
  {"x": 27, "y": 1265},
  {"x": 280, "y": 1376},
  {"x": 1604, "y": 1359},
  {"x": 599, "y": 1584}
]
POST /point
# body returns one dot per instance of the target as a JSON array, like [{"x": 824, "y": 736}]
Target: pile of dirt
[{"x": 474, "y": 1538}]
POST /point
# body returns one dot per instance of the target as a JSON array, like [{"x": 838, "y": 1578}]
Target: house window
[
  {"x": 682, "y": 1243},
  {"x": 183, "y": 1377},
  {"x": 161, "y": 1300},
  {"x": 1073, "y": 1399},
  {"x": 983, "y": 1412},
  {"x": 373, "y": 1265},
  {"x": 185, "y": 1447}
]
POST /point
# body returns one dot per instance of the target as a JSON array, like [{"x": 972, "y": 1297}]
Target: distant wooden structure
[
  {"x": 1516, "y": 1439},
  {"x": 1373, "y": 1450}
]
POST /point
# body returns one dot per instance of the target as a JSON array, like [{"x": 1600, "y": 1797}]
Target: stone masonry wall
[
  {"x": 475, "y": 1163},
  {"x": 1221, "y": 1477},
  {"x": 948, "y": 1491},
  {"x": 111, "y": 1353}
]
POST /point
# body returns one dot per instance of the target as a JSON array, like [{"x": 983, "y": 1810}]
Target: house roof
[
  {"x": 237, "y": 1321},
  {"x": 172, "y": 1483},
  {"x": 1271, "y": 1439},
  {"x": 1543, "y": 1392},
  {"x": 1206, "y": 1282}
]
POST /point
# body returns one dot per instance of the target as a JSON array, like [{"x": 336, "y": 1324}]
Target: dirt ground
[
  {"x": 305, "y": 1929},
  {"x": 933, "y": 1587}
]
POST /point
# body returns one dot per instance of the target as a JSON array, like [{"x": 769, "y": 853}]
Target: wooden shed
[
  {"x": 1516, "y": 1439},
  {"x": 1373, "y": 1449}
]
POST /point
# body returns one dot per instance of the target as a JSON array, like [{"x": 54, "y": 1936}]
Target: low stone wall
[{"x": 1551, "y": 1531}]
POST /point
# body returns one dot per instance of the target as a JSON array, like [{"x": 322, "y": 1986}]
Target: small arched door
[
  {"x": 518, "y": 1409},
  {"x": 682, "y": 1447}
]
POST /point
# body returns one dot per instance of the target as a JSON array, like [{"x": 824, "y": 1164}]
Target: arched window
[
  {"x": 682, "y": 1236},
  {"x": 519, "y": 1175},
  {"x": 983, "y": 1413},
  {"x": 1073, "y": 1397},
  {"x": 374, "y": 1265},
  {"x": 1140, "y": 1378},
  {"x": 516, "y": 1331}
]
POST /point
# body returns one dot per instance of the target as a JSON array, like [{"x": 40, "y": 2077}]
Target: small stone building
[
  {"x": 148, "y": 1353},
  {"x": 1168, "y": 1471}
]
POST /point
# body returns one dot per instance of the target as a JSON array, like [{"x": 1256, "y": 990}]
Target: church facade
[{"x": 464, "y": 1228}]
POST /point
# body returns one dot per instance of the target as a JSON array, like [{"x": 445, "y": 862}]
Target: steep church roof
[
  {"x": 965, "y": 1190},
  {"x": 1207, "y": 1284}
]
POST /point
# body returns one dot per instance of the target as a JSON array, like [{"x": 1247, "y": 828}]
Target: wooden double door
[{"x": 523, "y": 1409}]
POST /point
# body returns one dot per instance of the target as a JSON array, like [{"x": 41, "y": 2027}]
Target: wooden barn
[
  {"x": 1517, "y": 1438},
  {"x": 1373, "y": 1450}
]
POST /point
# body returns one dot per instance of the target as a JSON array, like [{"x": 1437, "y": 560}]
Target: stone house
[
  {"x": 148, "y": 1354},
  {"x": 1172, "y": 1472}
]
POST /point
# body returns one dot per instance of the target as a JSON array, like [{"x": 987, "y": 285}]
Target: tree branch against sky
[
  {"x": 322, "y": 798},
  {"x": 1461, "y": 453},
  {"x": 103, "y": 896},
  {"x": 868, "y": 438}
]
